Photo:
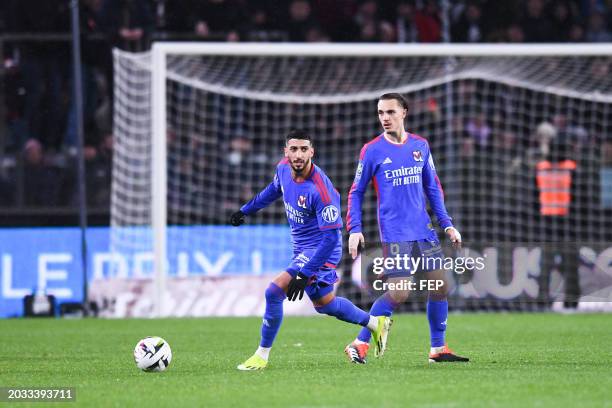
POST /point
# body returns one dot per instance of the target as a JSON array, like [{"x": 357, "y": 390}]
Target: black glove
[
  {"x": 237, "y": 218},
  {"x": 296, "y": 287}
]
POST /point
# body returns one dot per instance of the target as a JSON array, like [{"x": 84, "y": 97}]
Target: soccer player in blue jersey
[
  {"x": 313, "y": 212},
  {"x": 402, "y": 170}
]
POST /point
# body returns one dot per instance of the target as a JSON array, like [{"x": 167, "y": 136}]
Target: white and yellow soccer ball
[{"x": 152, "y": 354}]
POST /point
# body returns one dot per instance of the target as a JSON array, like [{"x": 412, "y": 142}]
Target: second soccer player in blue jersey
[
  {"x": 312, "y": 205},
  {"x": 402, "y": 170}
]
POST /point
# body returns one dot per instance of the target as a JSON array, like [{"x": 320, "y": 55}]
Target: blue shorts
[
  {"x": 424, "y": 255},
  {"x": 322, "y": 282}
]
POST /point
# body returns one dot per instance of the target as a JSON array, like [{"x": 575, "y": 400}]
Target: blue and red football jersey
[
  {"x": 312, "y": 206},
  {"x": 402, "y": 175}
]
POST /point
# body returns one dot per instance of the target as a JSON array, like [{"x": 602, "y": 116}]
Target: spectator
[
  {"x": 41, "y": 181},
  {"x": 428, "y": 23},
  {"x": 387, "y": 32},
  {"x": 217, "y": 19},
  {"x": 478, "y": 130},
  {"x": 515, "y": 34},
  {"x": 469, "y": 28},
  {"x": 367, "y": 12},
  {"x": 367, "y": 21},
  {"x": 172, "y": 16},
  {"x": 563, "y": 19},
  {"x": 544, "y": 136},
  {"x": 98, "y": 161},
  {"x": 572, "y": 136},
  {"x": 371, "y": 26},
  {"x": 405, "y": 25},
  {"x": 315, "y": 34},
  {"x": 576, "y": 33},
  {"x": 499, "y": 15},
  {"x": 606, "y": 153},
  {"x": 7, "y": 181},
  {"x": 44, "y": 67},
  {"x": 299, "y": 21},
  {"x": 535, "y": 24},
  {"x": 129, "y": 23},
  {"x": 241, "y": 161},
  {"x": 597, "y": 30},
  {"x": 335, "y": 17},
  {"x": 600, "y": 71},
  {"x": 263, "y": 26}
]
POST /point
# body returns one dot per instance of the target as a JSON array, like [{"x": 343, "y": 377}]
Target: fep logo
[{"x": 330, "y": 213}]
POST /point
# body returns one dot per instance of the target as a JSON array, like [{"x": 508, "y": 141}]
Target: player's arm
[
  {"x": 263, "y": 199},
  {"x": 329, "y": 218},
  {"x": 435, "y": 195},
  {"x": 363, "y": 174}
]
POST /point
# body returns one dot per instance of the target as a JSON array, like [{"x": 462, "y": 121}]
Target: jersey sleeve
[
  {"x": 363, "y": 174},
  {"x": 327, "y": 205},
  {"x": 329, "y": 240},
  {"x": 264, "y": 198},
  {"x": 433, "y": 191}
]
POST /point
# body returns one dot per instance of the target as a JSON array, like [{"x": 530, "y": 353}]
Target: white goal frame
[{"x": 161, "y": 50}]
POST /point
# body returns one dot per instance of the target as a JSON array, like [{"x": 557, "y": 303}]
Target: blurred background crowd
[{"x": 37, "y": 116}]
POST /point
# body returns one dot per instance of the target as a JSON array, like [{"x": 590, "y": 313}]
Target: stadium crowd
[{"x": 38, "y": 150}]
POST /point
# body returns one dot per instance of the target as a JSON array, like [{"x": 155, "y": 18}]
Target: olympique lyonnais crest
[
  {"x": 302, "y": 201},
  {"x": 417, "y": 155}
]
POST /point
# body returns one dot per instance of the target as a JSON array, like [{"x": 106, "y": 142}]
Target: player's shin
[
  {"x": 272, "y": 319},
  {"x": 437, "y": 314},
  {"x": 383, "y": 306},
  {"x": 343, "y": 309}
]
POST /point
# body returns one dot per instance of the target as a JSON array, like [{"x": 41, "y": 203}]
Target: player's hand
[
  {"x": 356, "y": 240},
  {"x": 237, "y": 218},
  {"x": 296, "y": 287},
  {"x": 454, "y": 236}
]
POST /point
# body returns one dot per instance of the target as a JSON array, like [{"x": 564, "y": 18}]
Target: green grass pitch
[{"x": 518, "y": 360}]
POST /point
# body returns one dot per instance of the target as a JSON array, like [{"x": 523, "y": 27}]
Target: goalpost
[{"x": 199, "y": 127}]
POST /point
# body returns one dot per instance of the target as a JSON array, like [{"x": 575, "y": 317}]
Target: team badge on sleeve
[
  {"x": 416, "y": 154},
  {"x": 431, "y": 163},
  {"x": 330, "y": 213},
  {"x": 358, "y": 172}
]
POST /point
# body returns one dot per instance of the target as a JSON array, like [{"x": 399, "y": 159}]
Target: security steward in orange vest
[{"x": 554, "y": 179}]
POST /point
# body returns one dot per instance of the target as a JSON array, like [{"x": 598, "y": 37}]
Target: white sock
[
  {"x": 436, "y": 350},
  {"x": 373, "y": 323},
  {"x": 357, "y": 341},
  {"x": 263, "y": 352}
]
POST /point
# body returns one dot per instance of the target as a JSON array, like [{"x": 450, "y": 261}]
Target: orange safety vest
[{"x": 554, "y": 182}]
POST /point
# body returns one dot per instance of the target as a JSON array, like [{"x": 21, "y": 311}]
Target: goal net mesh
[{"x": 489, "y": 122}]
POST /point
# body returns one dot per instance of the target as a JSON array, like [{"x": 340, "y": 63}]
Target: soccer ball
[{"x": 152, "y": 354}]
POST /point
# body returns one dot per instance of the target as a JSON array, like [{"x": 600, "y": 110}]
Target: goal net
[{"x": 199, "y": 129}]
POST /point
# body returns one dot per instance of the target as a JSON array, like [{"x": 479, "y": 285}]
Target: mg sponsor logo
[{"x": 330, "y": 213}]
